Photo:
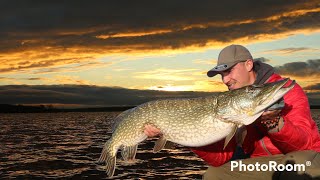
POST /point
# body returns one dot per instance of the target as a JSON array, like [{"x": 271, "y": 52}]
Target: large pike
[{"x": 190, "y": 122}]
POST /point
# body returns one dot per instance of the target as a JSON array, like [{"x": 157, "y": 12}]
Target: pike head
[{"x": 244, "y": 105}]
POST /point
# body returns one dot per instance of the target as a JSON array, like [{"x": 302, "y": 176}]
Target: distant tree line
[{"x": 8, "y": 108}]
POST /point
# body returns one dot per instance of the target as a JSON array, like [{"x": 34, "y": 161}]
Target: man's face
[{"x": 236, "y": 77}]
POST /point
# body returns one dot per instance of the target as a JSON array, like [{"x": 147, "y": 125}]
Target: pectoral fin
[
  {"x": 241, "y": 135},
  {"x": 160, "y": 143},
  {"x": 229, "y": 137},
  {"x": 169, "y": 145}
]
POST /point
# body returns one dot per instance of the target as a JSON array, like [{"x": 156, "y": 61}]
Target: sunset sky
[{"x": 97, "y": 52}]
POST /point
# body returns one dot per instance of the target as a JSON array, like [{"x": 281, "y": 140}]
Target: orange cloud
[
  {"x": 133, "y": 34},
  {"x": 166, "y": 74},
  {"x": 48, "y": 60}
]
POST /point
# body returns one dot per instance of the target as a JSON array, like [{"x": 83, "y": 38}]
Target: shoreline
[{"x": 7, "y": 108}]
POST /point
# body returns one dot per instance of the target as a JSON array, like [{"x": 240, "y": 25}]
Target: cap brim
[
  {"x": 212, "y": 73},
  {"x": 219, "y": 68}
]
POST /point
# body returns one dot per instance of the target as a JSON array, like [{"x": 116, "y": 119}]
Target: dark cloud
[
  {"x": 314, "y": 98},
  {"x": 300, "y": 69},
  {"x": 262, "y": 59},
  {"x": 293, "y": 50},
  {"x": 34, "y": 79},
  {"x": 84, "y": 95},
  {"x": 313, "y": 87},
  {"x": 31, "y": 24}
]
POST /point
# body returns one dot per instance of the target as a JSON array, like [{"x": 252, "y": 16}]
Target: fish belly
[{"x": 198, "y": 134}]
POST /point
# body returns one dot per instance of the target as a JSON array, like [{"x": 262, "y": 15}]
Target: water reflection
[{"x": 67, "y": 145}]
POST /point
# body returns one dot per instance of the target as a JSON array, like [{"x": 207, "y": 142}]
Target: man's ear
[{"x": 249, "y": 65}]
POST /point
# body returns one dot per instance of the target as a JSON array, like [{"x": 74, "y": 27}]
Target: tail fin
[{"x": 109, "y": 158}]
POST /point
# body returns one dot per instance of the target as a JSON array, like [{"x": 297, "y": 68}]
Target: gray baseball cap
[{"x": 228, "y": 57}]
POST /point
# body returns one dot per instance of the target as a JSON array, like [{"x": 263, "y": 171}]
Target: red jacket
[{"x": 299, "y": 132}]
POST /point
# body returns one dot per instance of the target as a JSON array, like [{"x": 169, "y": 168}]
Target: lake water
[{"x": 67, "y": 145}]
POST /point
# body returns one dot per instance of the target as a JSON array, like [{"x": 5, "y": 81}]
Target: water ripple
[{"x": 67, "y": 145}]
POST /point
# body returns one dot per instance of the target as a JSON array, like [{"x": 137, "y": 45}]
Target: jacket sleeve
[
  {"x": 214, "y": 154},
  {"x": 296, "y": 133}
]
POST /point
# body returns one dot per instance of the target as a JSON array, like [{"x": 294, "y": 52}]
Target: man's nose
[{"x": 225, "y": 78}]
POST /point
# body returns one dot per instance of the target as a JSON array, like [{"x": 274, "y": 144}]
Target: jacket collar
[{"x": 263, "y": 72}]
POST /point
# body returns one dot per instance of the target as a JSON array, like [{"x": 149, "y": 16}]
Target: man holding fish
[{"x": 285, "y": 133}]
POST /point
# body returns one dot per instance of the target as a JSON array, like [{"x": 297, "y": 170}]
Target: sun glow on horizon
[{"x": 170, "y": 87}]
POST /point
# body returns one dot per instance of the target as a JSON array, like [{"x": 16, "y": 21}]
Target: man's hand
[
  {"x": 269, "y": 115},
  {"x": 151, "y": 131},
  {"x": 271, "y": 120}
]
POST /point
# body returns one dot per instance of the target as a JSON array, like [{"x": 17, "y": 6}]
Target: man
[{"x": 283, "y": 136}]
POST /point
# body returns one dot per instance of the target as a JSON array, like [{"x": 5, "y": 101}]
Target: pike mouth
[
  {"x": 282, "y": 90},
  {"x": 278, "y": 93}
]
